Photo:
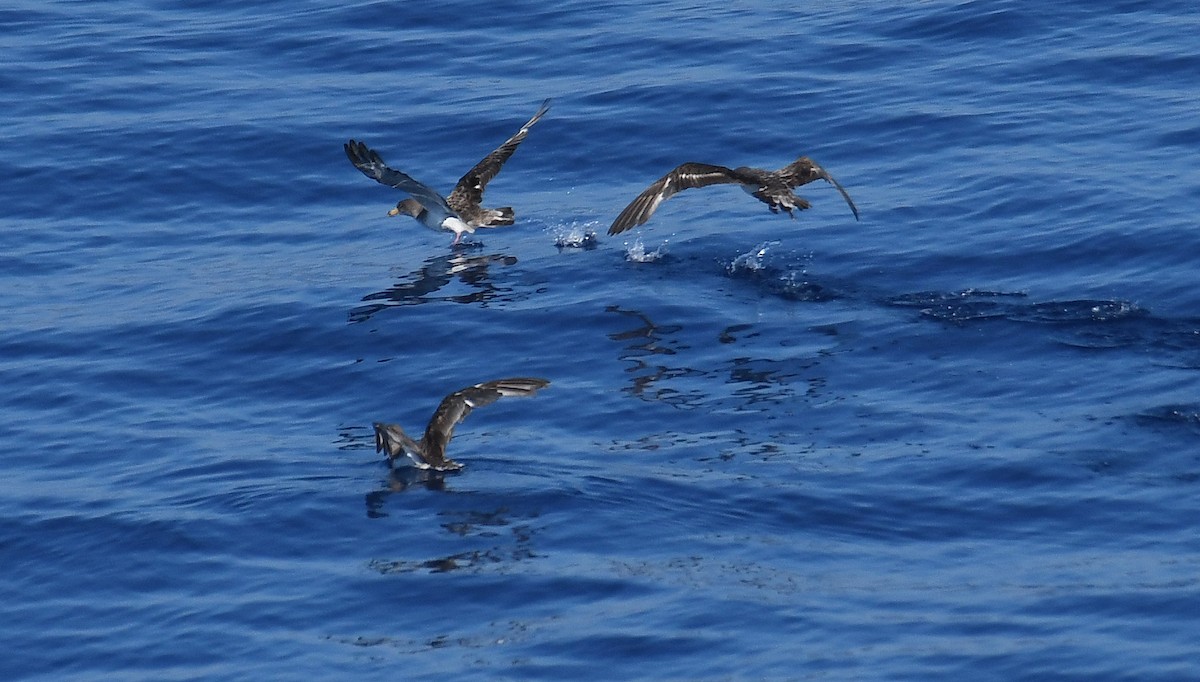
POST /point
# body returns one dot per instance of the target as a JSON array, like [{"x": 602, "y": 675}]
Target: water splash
[
  {"x": 637, "y": 253},
  {"x": 790, "y": 281},
  {"x": 753, "y": 261},
  {"x": 576, "y": 236}
]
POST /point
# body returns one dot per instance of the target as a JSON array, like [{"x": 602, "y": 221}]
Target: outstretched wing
[
  {"x": 456, "y": 406},
  {"x": 804, "y": 170},
  {"x": 469, "y": 190},
  {"x": 686, "y": 176},
  {"x": 371, "y": 164}
]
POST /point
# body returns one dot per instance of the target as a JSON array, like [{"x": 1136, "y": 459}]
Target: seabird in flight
[
  {"x": 462, "y": 210},
  {"x": 430, "y": 451},
  {"x": 773, "y": 188}
]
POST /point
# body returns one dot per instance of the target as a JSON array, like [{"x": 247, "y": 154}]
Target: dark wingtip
[
  {"x": 537, "y": 116},
  {"x": 626, "y": 221},
  {"x": 378, "y": 437},
  {"x": 837, "y": 185},
  {"x": 356, "y": 151},
  {"x": 359, "y": 153},
  {"x": 850, "y": 202}
]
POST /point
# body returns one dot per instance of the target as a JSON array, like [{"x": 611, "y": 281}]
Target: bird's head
[{"x": 408, "y": 206}]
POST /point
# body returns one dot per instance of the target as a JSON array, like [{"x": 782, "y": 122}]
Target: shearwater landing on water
[
  {"x": 460, "y": 212},
  {"x": 773, "y": 188},
  {"x": 430, "y": 451}
]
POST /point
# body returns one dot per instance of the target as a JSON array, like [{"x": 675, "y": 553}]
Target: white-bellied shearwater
[
  {"x": 773, "y": 188},
  {"x": 462, "y": 210},
  {"x": 430, "y": 451}
]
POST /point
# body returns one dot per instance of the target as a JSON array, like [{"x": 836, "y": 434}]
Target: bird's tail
[{"x": 500, "y": 217}]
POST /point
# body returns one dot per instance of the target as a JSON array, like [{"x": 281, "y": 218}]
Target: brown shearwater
[
  {"x": 773, "y": 188},
  {"x": 462, "y": 210},
  {"x": 430, "y": 451}
]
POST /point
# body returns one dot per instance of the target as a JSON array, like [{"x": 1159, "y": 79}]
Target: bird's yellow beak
[{"x": 394, "y": 211}]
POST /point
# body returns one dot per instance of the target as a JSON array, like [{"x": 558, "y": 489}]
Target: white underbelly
[{"x": 456, "y": 225}]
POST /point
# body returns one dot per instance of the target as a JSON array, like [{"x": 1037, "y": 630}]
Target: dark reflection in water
[
  {"x": 401, "y": 479},
  {"x": 509, "y": 541},
  {"x": 353, "y": 437},
  {"x": 474, "y": 274},
  {"x": 730, "y": 333},
  {"x": 647, "y": 349},
  {"x": 507, "y": 536},
  {"x": 741, "y": 383}
]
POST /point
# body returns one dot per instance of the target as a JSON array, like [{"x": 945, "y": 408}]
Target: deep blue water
[{"x": 959, "y": 439}]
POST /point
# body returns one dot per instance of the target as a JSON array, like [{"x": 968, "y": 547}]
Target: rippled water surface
[{"x": 957, "y": 439}]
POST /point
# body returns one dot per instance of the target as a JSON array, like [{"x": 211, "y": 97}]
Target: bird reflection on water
[
  {"x": 475, "y": 272},
  {"x": 739, "y": 383},
  {"x": 646, "y": 348},
  {"x": 469, "y": 525},
  {"x": 400, "y": 480}
]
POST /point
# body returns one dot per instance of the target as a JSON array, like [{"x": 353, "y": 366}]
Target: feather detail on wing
[
  {"x": 685, "y": 176},
  {"x": 456, "y": 406},
  {"x": 469, "y": 190},
  {"x": 371, "y": 164}
]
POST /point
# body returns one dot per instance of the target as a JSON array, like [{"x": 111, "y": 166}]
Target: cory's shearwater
[
  {"x": 773, "y": 188},
  {"x": 462, "y": 210},
  {"x": 430, "y": 451}
]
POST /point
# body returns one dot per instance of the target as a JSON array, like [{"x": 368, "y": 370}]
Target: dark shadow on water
[
  {"x": 403, "y": 478},
  {"x": 354, "y": 437},
  {"x": 508, "y": 537},
  {"x": 647, "y": 347},
  {"x": 457, "y": 277},
  {"x": 742, "y": 383}
]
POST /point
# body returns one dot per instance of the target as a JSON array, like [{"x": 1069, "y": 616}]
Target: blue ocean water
[{"x": 958, "y": 439}]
